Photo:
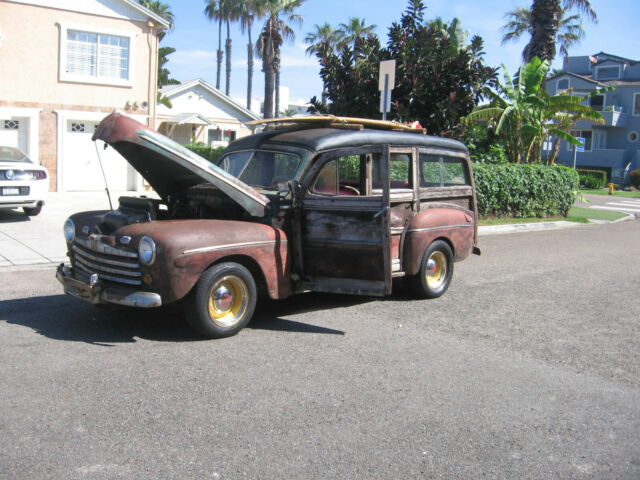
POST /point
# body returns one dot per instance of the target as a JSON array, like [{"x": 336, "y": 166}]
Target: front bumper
[{"x": 99, "y": 293}]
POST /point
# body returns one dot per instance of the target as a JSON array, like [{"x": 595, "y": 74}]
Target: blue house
[{"x": 613, "y": 146}]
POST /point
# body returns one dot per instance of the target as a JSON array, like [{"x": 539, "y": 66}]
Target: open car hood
[{"x": 168, "y": 166}]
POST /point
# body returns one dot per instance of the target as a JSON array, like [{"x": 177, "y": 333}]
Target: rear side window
[
  {"x": 442, "y": 171},
  {"x": 399, "y": 171}
]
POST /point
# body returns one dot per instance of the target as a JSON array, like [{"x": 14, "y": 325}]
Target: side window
[
  {"x": 442, "y": 171},
  {"x": 399, "y": 171},
  {"x": 342, "y": 176}
]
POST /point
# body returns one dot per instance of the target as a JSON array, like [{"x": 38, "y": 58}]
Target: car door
[{"x": 342, "y": 224}]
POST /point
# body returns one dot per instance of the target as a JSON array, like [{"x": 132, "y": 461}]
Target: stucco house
[
  {"x": 613, "y": 146},
  {"x": 65, "y": 65},
  {"x": 201, "y": 112}
]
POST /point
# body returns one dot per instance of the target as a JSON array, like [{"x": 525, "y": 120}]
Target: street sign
[
  {"x": 388, "y": 67},
  {"x": 580, "y": 148}
]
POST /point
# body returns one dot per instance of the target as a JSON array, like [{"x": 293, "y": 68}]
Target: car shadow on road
[
  {"x": 62, "y": 317},
  {"x": 13, "y": 216}
]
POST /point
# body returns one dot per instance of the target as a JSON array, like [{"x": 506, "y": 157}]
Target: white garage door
[
  {"x": 81, "y": 169},
  {"x": 13, "y": 133}
]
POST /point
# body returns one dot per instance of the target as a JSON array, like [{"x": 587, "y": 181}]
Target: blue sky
[{"x": 196, "y": 39}]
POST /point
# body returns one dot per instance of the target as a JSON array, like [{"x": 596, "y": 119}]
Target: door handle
[{"x": 380, "y": 212}]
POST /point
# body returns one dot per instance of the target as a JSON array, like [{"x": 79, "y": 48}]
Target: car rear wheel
[
  {"x": 222, "y": 301},
  {"x": 32, "y": 211},
  {"x": 436, "y": 271}
]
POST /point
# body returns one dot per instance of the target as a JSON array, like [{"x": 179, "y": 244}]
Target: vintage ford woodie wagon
[{"x": 316, "y": 203}]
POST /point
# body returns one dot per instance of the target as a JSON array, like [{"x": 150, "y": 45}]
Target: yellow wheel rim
[
  {"x": 436, "y": 271},
  {"x": 228, "y": 301}
]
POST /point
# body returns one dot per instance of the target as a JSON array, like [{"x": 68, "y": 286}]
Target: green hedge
[
  {"x": 635, "y": 178},
  {"x": 592, "y": 178},
  {"x": 524, "y": 190},
  {"x": 211, "y": 154}
]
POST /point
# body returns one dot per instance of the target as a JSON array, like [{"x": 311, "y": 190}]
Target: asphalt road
[{"x": 527, "y": 368}]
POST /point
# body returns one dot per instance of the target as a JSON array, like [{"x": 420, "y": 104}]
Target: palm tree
[
  {"x": 546, "y": 16},
  {"x": 214, "y": 10},
  {"x": 274, "y": 33},
  {"x": 250, "y": 10},
  {"x": 325, "y": 40},
  {"x": 570, "y": 30},
  {"x": 355, "y": 31}
]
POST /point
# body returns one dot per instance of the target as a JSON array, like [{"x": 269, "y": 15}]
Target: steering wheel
[{"x": 349, "y": 188}]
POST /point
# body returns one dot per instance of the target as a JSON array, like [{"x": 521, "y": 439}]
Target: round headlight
[
  {"x": 147, "y": 251},
  {"x": 69, "y": 230}
]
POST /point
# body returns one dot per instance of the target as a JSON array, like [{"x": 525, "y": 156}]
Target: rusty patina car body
[{"x": 314, "y": 205}]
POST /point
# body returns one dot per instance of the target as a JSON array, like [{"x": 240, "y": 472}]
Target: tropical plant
[
  {"x": 323, "y": 41},
  {"x": 546, "y": 18},
  {"x": 355, "y": 31},
  {"x": 250, "y": 10},
  {"x": 274, "y": 33},
  {"x": 526, "y": 114},
  {"x": 217, "y": 10},
  {"x": 161, "y": 9},
  {"x": 164, "y": 76},
  {"x": 437, "y": 82},
  {"x": 569, "y": 33}
]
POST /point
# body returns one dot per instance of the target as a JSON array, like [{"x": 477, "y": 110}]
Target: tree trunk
[
  {"x": 555, "y": 151},
  {"x": 228, "y": 52},
  {"x": 249, "y": 69},
  {"x": 545, "y": 21},
  {"x": 267, "y": 67},
  {"x": 220, "y": 54},
  {"x": 276, "y": 72}
]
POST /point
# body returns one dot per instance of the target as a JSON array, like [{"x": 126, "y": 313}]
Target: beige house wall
[{"x": 30, "y": 69}]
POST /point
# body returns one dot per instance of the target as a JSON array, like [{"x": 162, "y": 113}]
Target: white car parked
[{"x": 23, "y": 184}]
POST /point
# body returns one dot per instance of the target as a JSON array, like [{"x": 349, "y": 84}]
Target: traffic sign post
[
  {"x": 386, "y": 83},
  {"x": 578, "y": 148}
]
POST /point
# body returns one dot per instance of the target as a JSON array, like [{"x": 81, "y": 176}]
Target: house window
[
  {"x": 77, "y": 127},
  {"x": 597, "y": 102},
  {"x": 96, "y": 57},
  {"x": 607, "y": 73},
  {"x": 636, "y": 104},
  {"x": 562, "y": 84},
  {"x": 586, "y": 134},
  {"x": 11, "y": 124}
]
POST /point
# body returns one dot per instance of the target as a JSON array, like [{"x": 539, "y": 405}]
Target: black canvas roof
[{"x": 326, "y": 138}]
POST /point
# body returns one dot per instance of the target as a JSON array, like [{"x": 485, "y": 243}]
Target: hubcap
[
  {"x": 436, "y": 270},
  {"x": 228, "y": 301}
]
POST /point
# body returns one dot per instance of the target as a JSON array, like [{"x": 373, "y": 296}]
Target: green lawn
[
  {"x": 615, "y": 194},
  {"x": 576, "y": 214}
]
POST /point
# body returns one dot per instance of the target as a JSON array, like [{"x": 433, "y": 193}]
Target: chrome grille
[{"x": 110, "y": 263}]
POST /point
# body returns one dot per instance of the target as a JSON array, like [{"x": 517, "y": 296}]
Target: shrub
[
  {"x": 515, "y": 190},
  {"x": 205, "y": 151},
  {"x": 592, "y": 178},
  {"x": 635, "y": 178}
]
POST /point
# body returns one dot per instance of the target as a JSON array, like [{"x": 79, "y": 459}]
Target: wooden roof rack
[{"x": 310, "y": 121}]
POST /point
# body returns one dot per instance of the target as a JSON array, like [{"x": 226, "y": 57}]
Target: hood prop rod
[{"x": 106, "y": 186}]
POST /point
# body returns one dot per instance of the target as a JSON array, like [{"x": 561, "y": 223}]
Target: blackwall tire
[
  {"x": 222, "y": 302},
  {"x": 436, "y": 271}
]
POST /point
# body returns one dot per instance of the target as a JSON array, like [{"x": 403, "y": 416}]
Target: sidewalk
[{"x": 39, "y": 240}]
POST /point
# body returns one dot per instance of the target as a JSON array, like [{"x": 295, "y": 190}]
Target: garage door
[
  {"x": 13, "y": 133},
  {"x": 81, "y": 169}
]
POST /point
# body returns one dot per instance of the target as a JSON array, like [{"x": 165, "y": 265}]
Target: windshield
[
  {"x": 260, "y": 168},
  {"x": 11, "y": 154}
]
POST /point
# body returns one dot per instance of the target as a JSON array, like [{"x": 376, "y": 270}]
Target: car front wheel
[
  {"x": 436, "y": 271},
  {"x": 222, "y": 301}
]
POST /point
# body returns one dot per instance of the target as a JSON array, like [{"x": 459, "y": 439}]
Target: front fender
[{"x": 185, "y": 248}]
